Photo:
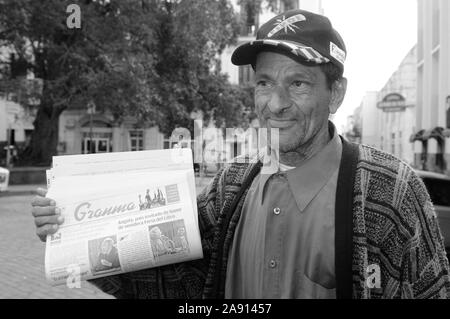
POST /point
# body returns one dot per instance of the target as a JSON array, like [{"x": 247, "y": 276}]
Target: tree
[
  {"x": 153, "y": 59},
  {"x": 75, "y": 65},
  {"x": 191, "y": 34},
  {"x": 254, "y": 7}
]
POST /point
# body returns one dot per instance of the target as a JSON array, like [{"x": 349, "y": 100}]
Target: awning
[
  {"x": 417, "y": 137},
  {"x": 436, "y": 133},
  {"x": 446, "y": 133}
]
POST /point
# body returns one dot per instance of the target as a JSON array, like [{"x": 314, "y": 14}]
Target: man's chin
[{"x": 285, "y": 147}]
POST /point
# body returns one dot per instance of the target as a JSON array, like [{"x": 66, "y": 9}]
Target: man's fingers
[
  {"x": 42, "y": 201},
  {"x": 41, "y": 192},
  {"x": 46, "y": 216},
  {"x": 45, "y": 230},
  {"x": 44, "y": 211},
  {"x": 51, "y": 220}
]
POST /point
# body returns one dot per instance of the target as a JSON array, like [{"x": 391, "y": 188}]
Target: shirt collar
[{"x": 308, "y": 179}]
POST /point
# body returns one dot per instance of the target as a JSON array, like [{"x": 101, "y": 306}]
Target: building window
[
  {"x": 246, "y": 74},
  {"x": 137, "y": 140},
  {"x": 99, "y": 142}
]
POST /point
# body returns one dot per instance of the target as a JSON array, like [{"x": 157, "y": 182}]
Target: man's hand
[{"x": 46, "y": 216}]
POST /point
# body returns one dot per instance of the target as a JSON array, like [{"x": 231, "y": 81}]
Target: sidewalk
[
  {"x": 22, "y": 255},
  {"x": 20, "y": 190}
]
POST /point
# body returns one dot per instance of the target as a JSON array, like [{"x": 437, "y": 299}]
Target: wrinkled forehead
[{"x": 273, "y": 63}]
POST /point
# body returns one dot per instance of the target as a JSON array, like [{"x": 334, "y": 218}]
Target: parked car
[{"x": 438, "y": 185}]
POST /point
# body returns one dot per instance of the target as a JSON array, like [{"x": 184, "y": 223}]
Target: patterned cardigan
[{"x": 385, "y": 222}]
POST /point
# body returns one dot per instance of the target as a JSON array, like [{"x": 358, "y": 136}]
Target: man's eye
[
  {"x": 298, "y": 84},
  {"x": 262, "y": 83}
]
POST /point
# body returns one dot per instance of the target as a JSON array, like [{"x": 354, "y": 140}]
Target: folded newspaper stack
[{"x": 123, "y": 212}]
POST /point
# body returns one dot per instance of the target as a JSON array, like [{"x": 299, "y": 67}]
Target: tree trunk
[{"x": 44, "y": 139}]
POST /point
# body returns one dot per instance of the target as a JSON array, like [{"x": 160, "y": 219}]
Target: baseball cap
[{"x": 302, "y": 35}]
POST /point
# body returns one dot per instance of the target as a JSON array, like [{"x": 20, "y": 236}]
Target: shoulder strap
[{"x": 344, "y": 220}]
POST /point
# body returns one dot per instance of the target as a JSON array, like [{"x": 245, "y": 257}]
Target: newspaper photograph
[{"x": 118, "y": 219}]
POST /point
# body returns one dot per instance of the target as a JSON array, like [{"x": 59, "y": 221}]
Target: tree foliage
[
  {"x": 157, "y": 60},
  {"x": 254, "y": 7}
]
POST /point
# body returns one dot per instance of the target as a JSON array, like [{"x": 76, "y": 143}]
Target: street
[
  {"x": 22, "y": 254},
  {"x": 22, "y": 257}
]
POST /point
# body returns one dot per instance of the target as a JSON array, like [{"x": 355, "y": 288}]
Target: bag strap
[{"x": 344, "y": 220}]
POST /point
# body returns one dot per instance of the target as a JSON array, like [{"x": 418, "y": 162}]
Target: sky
[{"x": 378, "y": 35}]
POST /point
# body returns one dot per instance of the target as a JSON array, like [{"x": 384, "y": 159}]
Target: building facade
[
  {"x": 388, "y": 116},
  {"x": 81, "y": 133},
  {"x": 431, "y": 138},
  {"x": 396, "y": 103},
  {"x": 17, "y": 114},
  {"x": 16, "y": 126}
]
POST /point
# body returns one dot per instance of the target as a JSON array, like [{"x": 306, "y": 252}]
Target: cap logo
[
  {"x": 286, "y": 24},
  {"x": 337, "y": 53}
]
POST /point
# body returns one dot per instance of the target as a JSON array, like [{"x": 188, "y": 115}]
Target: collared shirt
[{"x": 283, "y": 246}]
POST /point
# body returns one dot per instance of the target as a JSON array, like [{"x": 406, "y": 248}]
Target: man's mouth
[{"x": 280, "y": 124}]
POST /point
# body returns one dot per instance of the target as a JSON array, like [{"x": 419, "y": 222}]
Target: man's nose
[{"x": 280, "y": 100}]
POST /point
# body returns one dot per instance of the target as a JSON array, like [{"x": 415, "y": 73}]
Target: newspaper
[{"x": 123, "y": 212}]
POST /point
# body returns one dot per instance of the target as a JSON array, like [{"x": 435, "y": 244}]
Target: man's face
[
  {"x": 106, "y": 246},
  {"x": 291, "y": 97},
  {"x": 155, "y": 233}
]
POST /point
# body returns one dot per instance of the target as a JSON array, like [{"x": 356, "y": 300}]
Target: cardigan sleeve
[
  {"x": 183, "y": 280},
  {"x": 425, "y": 267}
]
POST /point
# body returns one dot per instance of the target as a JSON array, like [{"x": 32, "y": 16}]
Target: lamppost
[
  {"x": 91, "y": 111},
  {"x": 8, "y": 147}
]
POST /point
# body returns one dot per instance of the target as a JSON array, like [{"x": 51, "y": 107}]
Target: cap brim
[{"x": 247, "y": 52}]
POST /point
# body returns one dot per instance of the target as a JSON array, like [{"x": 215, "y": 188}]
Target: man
[
  {"x": 332, "y": 220},
  {"x": 108, "y": 258},
  {"x": 148, "y": 199},
  {"x": 156, "y": 240},
  {"x": 180, "y": 241}
]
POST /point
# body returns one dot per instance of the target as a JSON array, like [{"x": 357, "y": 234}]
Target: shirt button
[
  {"x": 273, "y": 263},
  {"x": 277, "y": 210}
]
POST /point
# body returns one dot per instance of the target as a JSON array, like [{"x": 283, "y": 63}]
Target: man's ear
[{"x": 338, "y": 91}]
